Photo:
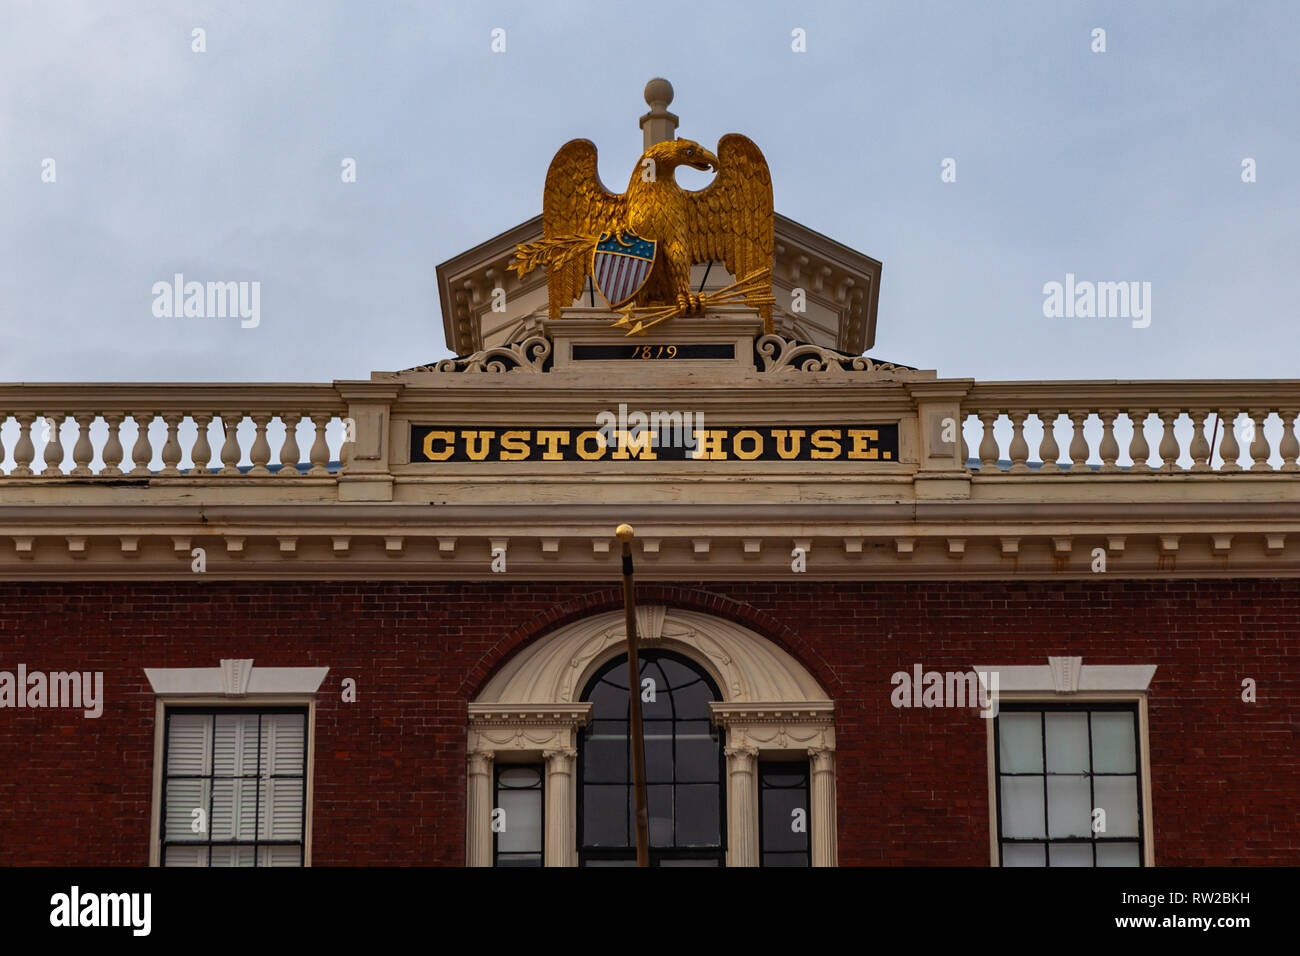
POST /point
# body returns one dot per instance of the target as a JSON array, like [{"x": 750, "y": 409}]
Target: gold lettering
[
  {"x": 708, "y": 444},
  {"x": 639, "y": 446},
  {"x": 825, "y": 443},
  {"x": 551, "y": 440},
  {"x": 483, "y": 438},
  {"x": 747, "y": 435},
  {"x": 861, "y": 437},
  {"x": 514, "y": 445},
  {"x": 448, "y": 437},
  {"x": 581, "y": 444},
  {"x": 788, "y": 450}
]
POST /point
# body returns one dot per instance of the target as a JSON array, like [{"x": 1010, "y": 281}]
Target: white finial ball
[{"x": 658, "y": 92}]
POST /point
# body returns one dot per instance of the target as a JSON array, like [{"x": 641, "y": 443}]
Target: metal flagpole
[{"x": 624, "y": 532}]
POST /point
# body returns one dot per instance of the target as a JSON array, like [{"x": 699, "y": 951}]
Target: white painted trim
[
  {"x": 771, "y": 704},
  {"x": 232, "y": 680},
  {"x": 1108, "y": 695},
  {"x": 1041, "y": 679},
  {"x": 222, "y": 700}
]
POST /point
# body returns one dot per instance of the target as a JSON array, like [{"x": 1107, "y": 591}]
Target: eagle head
[{"x": 672, "y": 153}]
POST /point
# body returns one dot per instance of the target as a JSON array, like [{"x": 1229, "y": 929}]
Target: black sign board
[
  {"x": 659, "y": 440},
  {"x": 656, "y": 351}
]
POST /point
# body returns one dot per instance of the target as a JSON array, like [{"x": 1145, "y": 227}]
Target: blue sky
[{"x": 1115, "y": 166}]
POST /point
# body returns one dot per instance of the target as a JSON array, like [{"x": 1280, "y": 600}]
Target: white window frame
[
  {"x": 772, "y": 707},
  {"x": 231, "y": 686},
  {"x": 1067, "y": 680}
]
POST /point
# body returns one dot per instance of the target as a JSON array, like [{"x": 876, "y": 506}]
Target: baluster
[
  {"x": 83, "y": 451},
  {"x": 201, "y": 452},
  {"x": 1019, "y": 447},
  {"x": 289, "y": 453},
  {"x": 1138, "y": 449},
  {"x": 1048, "y": 451},
  {"x": 988, "y": 444},
  {"x": 320, "y": 449},
  {"x": 260, "y": 453},
  {"x": 1200, "y": 446},
  {"x": 1229, "y": 450},
  {"x": 961, "y": 433},
  {"x": 1168, "y": 450},
  {"x": 1109, "y": 449},
  {"x": 1078, "y": 443},
  {"x": 54, "y": 449},
  {"x": 230, "y": 453},
  {"x": 24, "y": 451},
  {"x": 112, "y": 447},
  {"x": 171, "y": 452},
  {"x": 142, "y": 451},
  {"x": 4, "y": 417},
  {"x": 1259, "y": 447},
  {"x": 1290, "y": 447}
]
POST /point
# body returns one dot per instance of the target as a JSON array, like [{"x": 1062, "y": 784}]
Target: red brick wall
[{"x": 913, "y": 789}]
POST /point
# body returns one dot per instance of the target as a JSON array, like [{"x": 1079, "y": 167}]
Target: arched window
[
  {"x": 684, "y": 766},
  {"x": 732, "y": 715}
]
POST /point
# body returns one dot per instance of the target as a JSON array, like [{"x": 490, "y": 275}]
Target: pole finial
[
  {"x": 658, "y": 125},
  {"x": 624, "y": 532}
]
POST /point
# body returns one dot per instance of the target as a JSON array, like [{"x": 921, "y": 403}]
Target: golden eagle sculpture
[{"x": 639, "y": 246}]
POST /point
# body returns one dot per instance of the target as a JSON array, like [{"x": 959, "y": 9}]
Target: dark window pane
[
  {"x": 687, "y": 861},
  {"x": 604, "y": 816},
  {"x": 780, "y": 819},
  {"x": 699, "y": 815},
  {"x": 675, "y": 672},
  {"x": 659, "y": 753},
  {"x": 682, "y": 751},
  {"x": 783, "y": 814},
  {"x": 697, "y": 760},
  {"x": 605, "y": 760},
  {"x": 609, "y": 701},
  {"x": 515, "y": 778},
  {"x": 661, "y": 816},
  {"x": 693, "y": 702}
]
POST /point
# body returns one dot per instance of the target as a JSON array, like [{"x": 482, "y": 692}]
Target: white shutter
[
  {"x": 189, "y": 751},
  {"x": 234, "y": 801},
  {"x": 279, "y": 856},
  {"x": 189, "y": 744},
  {"x": 284, "y": 751},
  {"x": 248, "y": 783},
  {"x": 186, "y": 856}
]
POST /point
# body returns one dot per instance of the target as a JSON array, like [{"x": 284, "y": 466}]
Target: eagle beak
[{"x": 705, "y": 160}]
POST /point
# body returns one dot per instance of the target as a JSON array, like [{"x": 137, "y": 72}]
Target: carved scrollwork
[
  {"x": 530, "y": 355},
  {"x": 779, "y": 355}
]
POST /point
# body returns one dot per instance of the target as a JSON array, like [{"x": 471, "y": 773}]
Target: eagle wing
[
  {"x": 731, "y": 219},
  {"x": 575, "y": 203}
]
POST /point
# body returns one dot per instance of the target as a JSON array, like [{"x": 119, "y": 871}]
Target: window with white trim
[
  {"x": 518, "y": 822},
  {"x": 1069, "y": 784},
  {"x": 234, "y": 786},
  {"x": 783, "y": 808}
]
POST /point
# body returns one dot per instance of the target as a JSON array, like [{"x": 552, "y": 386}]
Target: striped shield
[{"x": 620, "y": 268}]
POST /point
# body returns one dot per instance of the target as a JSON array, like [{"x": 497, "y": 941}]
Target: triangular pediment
[{"x": 841, "y": 290}]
